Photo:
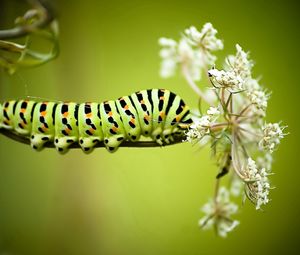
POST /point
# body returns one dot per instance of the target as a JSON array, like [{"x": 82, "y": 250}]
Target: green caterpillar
[{"x": 155, "y": 113}]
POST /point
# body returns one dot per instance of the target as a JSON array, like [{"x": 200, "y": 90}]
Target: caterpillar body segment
[
  {"x": 89, "y": 126},
  {"x": 155, "y": 113},
  {"x": 142, "y": 100},
  {"x": 113, "y": 129},
  {"x": 43, "y": 124}
]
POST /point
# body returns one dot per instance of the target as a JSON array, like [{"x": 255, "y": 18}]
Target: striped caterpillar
[{"x": 155, "y": 113}]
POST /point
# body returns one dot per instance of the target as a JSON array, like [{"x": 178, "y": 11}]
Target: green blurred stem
[{"x": 25, "y": 140}]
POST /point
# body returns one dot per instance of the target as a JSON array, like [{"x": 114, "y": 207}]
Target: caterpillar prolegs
[{"x": 155, "y": 113}]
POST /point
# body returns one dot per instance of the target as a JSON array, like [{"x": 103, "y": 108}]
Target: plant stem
[{"x": 45, "y": 19}]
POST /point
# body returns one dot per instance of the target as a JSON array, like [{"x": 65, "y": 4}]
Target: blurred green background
[{"x": 145, "y": 201}]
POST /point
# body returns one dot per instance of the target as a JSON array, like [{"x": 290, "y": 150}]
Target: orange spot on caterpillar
[
  {"x": 65, "y": 114},
  {"x": 147, "y": 117},
  {"x": 162, "y": 114},
  {"x": 43, "y": 113},
  {"x": 177, "y": 118},
  {"x": 91, "y": 131},
  {"x": 126, "y": 107},
  {"x": 132, "y": 120},
  {"x": 89, "y": 115},
  {"x": 23, "y": 110},
  {"x": 142, "y": 102},
  {"x": 114, "y": 129},
  {"x": 110, "y": 114},
  {"x": 68, "y": 131},
  {"x": 162, "y": 98}
]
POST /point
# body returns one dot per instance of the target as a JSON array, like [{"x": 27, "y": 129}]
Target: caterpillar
[{"x": 155, "y": 113}]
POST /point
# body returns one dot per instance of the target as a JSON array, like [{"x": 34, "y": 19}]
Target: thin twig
[
  {"x": 25, "y": 140},
  {"x": 45, "y": 18}
]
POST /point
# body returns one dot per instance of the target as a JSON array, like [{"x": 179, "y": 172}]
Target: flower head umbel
[
  {"x": 226, "y": 79},
  {"x": 191, "y": 54},
  {"x": 234, "y": 123},
  {"x": 257, "y": 183},
  {"x": 240, "y": 63},
  {"x": 201, "y": 126},
  {"x": 272, "y": 134},
  {"x": 218, "y": 213},
  {"x": 206, "y": 41}
]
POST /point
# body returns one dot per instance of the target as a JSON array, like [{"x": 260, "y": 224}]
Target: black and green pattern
[{"x": 155, "y": 113}]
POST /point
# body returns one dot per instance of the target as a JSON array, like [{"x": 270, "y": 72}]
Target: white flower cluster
[
  {"x": 218, "y": 213},
  {"x": 240, "y": 63},
  {"x": 272, "y": 134},
  {"x": 258, "y": 185},
  {"x": 243, "y": 66},
  {"x": 226, "y": 79},
  {"x": 201, "y": 126},
  {"x": 237, "y": 71},
  {"x": 206, "y": 40},
  {"x": 234, "y": 123},
  {"x": 259, "y": 98},
  {"x": 193, "y": 52},
  {"x": 169, "y": 56}
]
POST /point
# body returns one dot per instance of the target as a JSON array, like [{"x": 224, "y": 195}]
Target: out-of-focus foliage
[{"x": 36, "y": 24}]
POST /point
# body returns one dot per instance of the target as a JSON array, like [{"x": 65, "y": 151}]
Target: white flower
[
  {"x": 174, "y": 54},
  {"x": 213, "y": 111},
  {"x": 252, "y": 84},
  {"x": 227, "y": 79},
  {"x": 259, "y": 98},
  {"x": 257, "y": 183},
  {"x": 167, "y": 42},
  {"x": 189, "y": 58},
  {"x": 169, "y": 57},
  {"x": 218, "y": 213},
  {"x": 199, "y": 128},
  {"x": 192, "y": 53},
  {"x": 272, "y": 134},
  {"x": 240, "y": 63},
  {"x": 206, "y": 38},
  {"x": 205, "y": 42}
]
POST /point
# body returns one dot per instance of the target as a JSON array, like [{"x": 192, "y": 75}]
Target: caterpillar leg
[
  {"x": 112, "y": 143},
  {"x": 38, "y": 141},
  {"x": 87, "y": 143},
  {"x": 62, "y": 143},
  {"x": 168, "y": 136},
  {"x": 157, "y": 136}
]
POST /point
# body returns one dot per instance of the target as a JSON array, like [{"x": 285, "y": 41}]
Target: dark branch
[
  {"x": 26, "y": 140},
  {"x": 45, "y": 18}
]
